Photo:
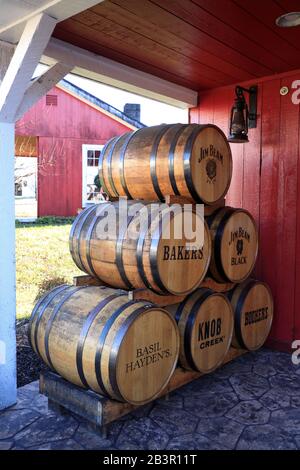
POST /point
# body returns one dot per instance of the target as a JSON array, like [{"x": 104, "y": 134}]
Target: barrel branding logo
[
  {"x": 148, "y": 355},
  {"x": 213, "y": 155},
  {"x": 210, "y": 151},
  {"x": 238, "y": 237},
  {"x": 255, "y": 316},
  {"x": 211, "y": 170},
  {"x": 209, "y": 333},
  {"x": 180, "y": 252}
]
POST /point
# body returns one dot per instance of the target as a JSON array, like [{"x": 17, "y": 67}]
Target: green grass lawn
[{"x": 43, "y": 260}]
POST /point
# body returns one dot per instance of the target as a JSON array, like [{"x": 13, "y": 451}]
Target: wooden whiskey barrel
[
  {"x": 234, "y": 244},
  {"x": 205, "y": 321},
  {"x": 253, "y": 307},
  {"x": 95, "y": 337},
  {"x": 189, "y": 160},
  {"x": 140, "y": 252}
]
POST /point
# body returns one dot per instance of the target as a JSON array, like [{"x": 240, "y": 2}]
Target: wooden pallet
[
  {"x": 99, "y": 411},
  {"x": 147, "y": 294}
]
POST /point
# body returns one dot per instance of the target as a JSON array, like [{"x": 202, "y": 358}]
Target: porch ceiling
[{"x": 198, "y": 44}]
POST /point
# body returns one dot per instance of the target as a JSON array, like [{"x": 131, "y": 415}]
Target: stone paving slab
[{"x": 250, "y": 403}]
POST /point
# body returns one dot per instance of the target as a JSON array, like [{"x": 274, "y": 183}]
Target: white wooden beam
[
  {"x": 8, "y": 374},
  {"x": 6, "y": 53},
  {"x": 41, "y": 85},
  {"x": 16, "y": 70},
  {"x": 15, "y": 13},
  {"x": 23, "y": 63},
  {"x": 110, "y": 72}
]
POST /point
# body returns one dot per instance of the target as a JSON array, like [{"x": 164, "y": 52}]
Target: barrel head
[
  {"x": 239, "y": 246},
  {"x": 146, "y": 357},
  {"x": 253, "y": 305},
  {"x": 210, "y": 164},
  {"x": 211, "y": 333},
  {"x": 181, "y": 262}
]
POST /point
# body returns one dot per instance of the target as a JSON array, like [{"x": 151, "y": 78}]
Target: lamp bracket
[{"x": 252, "y": 120}]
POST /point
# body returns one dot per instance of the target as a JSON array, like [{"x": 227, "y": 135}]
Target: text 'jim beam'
[
  {"x": 210, "y": 151},
  {"x": 238, "y": 236}
]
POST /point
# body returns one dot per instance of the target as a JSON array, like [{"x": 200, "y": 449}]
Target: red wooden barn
[{"x": 63, "y": 135}]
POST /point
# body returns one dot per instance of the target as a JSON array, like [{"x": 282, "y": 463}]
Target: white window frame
[
  {"x": 36, "y": 179},
  {"x": 85, "y": 148}
]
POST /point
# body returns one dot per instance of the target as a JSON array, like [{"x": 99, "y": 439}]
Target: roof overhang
[
  {"x": 104, "y": 70},
  {"x": 16, "y": 13}
]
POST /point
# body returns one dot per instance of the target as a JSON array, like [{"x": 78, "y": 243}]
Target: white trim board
[
  {"x": 104, "y": 70},
  {"x": 86, "y": 64},
  {"x": 85, "y": 148},
  {"x": 26, "y": 57}
]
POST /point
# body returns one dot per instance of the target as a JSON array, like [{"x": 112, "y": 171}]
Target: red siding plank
[
  {"x": 269, "y": 235},
  {"x": 252, "y": 156},
  {"x": 296, "y": 334},
  {"x": 287, "y": 200}
]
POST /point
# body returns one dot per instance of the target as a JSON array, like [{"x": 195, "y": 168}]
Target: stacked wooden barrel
[
  {"x": 132, "y": 257},
  {"x": 95, "y": 336},
  {"x": 183, "y": 159}
]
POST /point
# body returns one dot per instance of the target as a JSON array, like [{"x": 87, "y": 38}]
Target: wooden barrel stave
[
  {"x": 84, "y": 237},
  {"x": 75, "y": 235},
  {"x": 137, "y": 169},
  {"x": 160, "y": 158},
  {"x": 181, "y": 170},
  {"x": 101, "y": 162},
  {"x": 116, "y": 166},
  {"x": 104, "y": 169},
  {"x": 90, "y": 332}
]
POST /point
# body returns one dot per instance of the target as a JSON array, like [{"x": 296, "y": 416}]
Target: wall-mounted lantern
[{"x": 242, "y": 118}]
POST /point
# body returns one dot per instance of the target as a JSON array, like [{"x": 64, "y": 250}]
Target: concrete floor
[{"x": 251, "y": 403}]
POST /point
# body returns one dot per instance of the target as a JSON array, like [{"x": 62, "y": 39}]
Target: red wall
[
  {"x": 266, "y": 181},
  {"x": 62, "y": 130}
]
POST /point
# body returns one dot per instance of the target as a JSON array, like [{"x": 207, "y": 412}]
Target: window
[
  {"x": 90, "y": 183},
  {"x": 51, "y": 100},
  {"x": 93, "y": 157},
  {"x": 18, "y": 189}
]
